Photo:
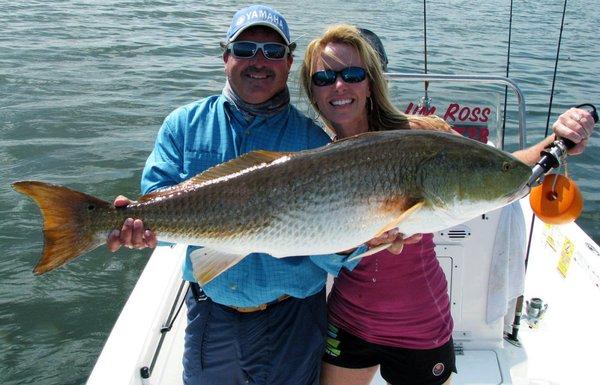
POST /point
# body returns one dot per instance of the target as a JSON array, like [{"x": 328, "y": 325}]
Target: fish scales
[{"x": 288, "y": 195}]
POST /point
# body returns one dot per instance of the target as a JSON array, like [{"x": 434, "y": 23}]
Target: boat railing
[{"x": 482, "y": 79}]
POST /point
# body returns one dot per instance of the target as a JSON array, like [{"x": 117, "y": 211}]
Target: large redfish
[{"x": 311, "y": 202}]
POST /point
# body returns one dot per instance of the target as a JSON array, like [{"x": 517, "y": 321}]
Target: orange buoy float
[{"x": 557, "y": 200}]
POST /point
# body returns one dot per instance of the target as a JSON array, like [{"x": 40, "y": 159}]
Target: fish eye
[
  {"x": 506, "y": 166},
  {"x": 91, "y": 207}
]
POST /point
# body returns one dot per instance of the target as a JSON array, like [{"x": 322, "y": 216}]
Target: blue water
[{"x": 84, "y": 87}]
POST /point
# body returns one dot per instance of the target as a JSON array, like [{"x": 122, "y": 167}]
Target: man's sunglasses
[
  {"x": 247, "y": 50},
  {"x": 348, "y": 74}
]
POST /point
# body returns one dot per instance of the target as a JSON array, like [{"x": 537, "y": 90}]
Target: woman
[
  {"x": 342, "y": 77},
  {"x": 390, "y": 311}
]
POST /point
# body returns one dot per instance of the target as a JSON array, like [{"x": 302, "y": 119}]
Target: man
[{"x": 262, "y": 321}]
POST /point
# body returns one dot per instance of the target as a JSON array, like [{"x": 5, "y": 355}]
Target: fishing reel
[{"x": 556, "y": 199}]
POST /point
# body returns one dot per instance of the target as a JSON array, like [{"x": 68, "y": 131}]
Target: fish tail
[{"x": 68, "y": 215}]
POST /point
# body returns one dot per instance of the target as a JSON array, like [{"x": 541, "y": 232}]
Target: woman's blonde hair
[{"x": 382, "y": 115}]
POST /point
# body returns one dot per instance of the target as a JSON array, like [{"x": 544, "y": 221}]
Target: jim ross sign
[{"x": 470, "y": 121}]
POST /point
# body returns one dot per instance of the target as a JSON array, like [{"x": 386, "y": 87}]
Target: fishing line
[
  {"x": 426, "y": 98},
  {"x": 507, "y": 71},
  {"x": 562, "y": 23}
]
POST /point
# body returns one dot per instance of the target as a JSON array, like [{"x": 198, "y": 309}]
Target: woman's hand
[{"x": 396, "y": 239}]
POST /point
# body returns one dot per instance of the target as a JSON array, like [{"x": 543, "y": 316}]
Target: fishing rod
[{"x": 507, "y": 73}]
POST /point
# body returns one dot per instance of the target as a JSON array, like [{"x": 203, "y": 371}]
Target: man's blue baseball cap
[{"x": 258, "y": 15}]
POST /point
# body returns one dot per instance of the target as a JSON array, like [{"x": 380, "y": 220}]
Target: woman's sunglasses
[
  {"x": 247, "y": 50},
  {"x": 348, "y": 74}
]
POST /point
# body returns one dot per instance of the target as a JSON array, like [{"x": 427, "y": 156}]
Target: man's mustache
[{"x": 261, "y": 71}]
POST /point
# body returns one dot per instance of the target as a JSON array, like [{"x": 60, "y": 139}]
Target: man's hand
[
  {"x": 577, "y": 125},
  {"x": 132, "y": 233},
  {"x": 396, "y": 239}
]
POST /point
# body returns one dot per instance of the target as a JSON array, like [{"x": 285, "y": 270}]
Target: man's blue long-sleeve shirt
[{"x": 203, "y": 134}]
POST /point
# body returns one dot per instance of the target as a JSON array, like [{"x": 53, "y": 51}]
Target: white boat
[{"x": 146, "y": 343}]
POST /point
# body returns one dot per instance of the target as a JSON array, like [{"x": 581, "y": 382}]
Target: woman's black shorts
[{"x": 398, "y": 366}]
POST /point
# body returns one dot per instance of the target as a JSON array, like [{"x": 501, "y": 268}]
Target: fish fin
[
  {"x": 244, "y": 162},
  {"x": 209, "y": 263},
  {"x": 396, "y": 222},
  {"x": 370, "y": 251},
  {"x": 64, "y": 212}
]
